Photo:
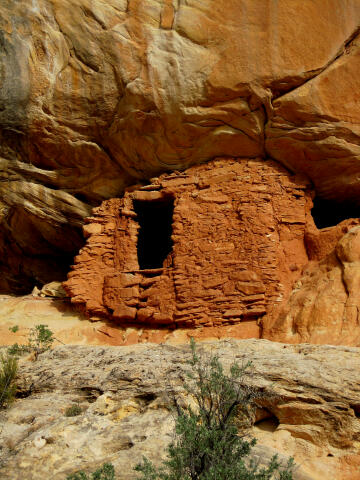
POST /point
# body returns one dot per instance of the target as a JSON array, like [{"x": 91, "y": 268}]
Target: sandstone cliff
[
  {"x": 231, "y": 117},
  {"x": 97, "y": 95}
]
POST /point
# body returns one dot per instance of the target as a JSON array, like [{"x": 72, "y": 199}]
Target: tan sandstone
[
  {"x": 325, "y": 303},
  {"x": 316, "y": 128},
  {"x": 126, "y": 395}
]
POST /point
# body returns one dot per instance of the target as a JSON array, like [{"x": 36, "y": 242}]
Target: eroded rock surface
[
  {"x": 325, "y": 303},
  {"x": 126, "y": 394},
  {"x": 316, "y": 128},
  {"x": 98, "y": 94}
]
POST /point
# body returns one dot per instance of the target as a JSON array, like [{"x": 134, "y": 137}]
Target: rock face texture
[
  {"x": 316, "y": 128},
  {"x": 96, "y": 95},
  {"x": 127, "y": 393},
  {"x": 235, "y": 247},
  {"x": 324, "y": 305}
]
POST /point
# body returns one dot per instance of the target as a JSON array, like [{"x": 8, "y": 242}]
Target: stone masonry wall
[{"x": 238, "y": 247}]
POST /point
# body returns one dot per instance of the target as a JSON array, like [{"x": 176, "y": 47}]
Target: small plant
[
  {"x": 40, "y": 339},
  {"x": 106, "y": 472},
  {"x": 211, "y": 440},
  {"x": 8, "y": 370},
  {"x": 17, "y": 349},
  {"x": 73, "y": 411}
]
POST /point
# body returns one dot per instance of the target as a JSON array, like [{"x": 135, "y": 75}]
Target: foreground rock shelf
[
  {"x": 126, "y": 392},
  {"x": 72, "y": 328}
]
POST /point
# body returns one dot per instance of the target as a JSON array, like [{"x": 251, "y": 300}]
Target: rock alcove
[{"x": 328, "y": 213}]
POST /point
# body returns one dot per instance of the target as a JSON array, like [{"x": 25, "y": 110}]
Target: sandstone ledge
[
  {"x": 313, "y": 414},
  {"x": 72, "y": 328}
]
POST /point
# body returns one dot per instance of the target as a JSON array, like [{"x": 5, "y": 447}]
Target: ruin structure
[{"x": 219, "y": 243}]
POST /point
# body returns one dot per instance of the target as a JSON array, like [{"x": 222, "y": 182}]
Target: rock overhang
[{"x": 97, "y": 97}]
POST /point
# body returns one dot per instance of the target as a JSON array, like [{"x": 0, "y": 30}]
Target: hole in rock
[
  {"x": 268, "y": 424},
  {"x": 146, "y": 398},
  {"x": 356, "y": 409},
  {"x": 91, "y": 394},
  {"x": 154, "y": 238},
  {"x": 327, "y": 213},
  {"x": 80, "y": 196}
]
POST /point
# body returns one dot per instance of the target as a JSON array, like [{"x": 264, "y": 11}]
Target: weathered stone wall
[{"x": 238, "y": 247}]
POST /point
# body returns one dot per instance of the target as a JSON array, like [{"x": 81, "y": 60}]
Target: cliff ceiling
[{"x": 99, "y": 95}]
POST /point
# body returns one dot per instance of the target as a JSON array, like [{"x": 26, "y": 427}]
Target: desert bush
[
  {"x": 73, "y": 411},
  {"x": 40, "y": 339},
  {"x": 106, "y": 472},
  {"x": 212, "y": 441},
  {"x": 8, "y": 370},
  {"x": 17, "y": 350}
]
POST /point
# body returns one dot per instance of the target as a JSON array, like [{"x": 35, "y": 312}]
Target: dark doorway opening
[
  {"x": 327, "y": 213},
  {"x": 154, "y": 238}
]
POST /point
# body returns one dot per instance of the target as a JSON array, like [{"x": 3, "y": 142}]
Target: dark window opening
[
  {"x": 327, "y": 213},
  {"x": 154, "y": 237}
]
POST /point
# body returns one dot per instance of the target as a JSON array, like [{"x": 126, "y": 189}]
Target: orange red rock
[
  {"x": 245, "y": 251},
  {"x": 324, "y": 305},
  {"x": 238, "y": 233},
  {"x": 316, "y": 127}
]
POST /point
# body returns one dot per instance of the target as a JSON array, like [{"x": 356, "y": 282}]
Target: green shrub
[
  {"x": 106, "y": 472},
  {"x": 8, "y": 370},
  {"x": 17, "y": 349},
  {"x": 211, "y": 440},
  {"x": 73, "y": 411},
  {"x": 40, "y": 339}
]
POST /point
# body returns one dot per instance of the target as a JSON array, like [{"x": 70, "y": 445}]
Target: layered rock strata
[
  {"x": 316, "y": 128},
  {"x": 310, "y": 411},
  {"x": 96, "y": 95}
]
